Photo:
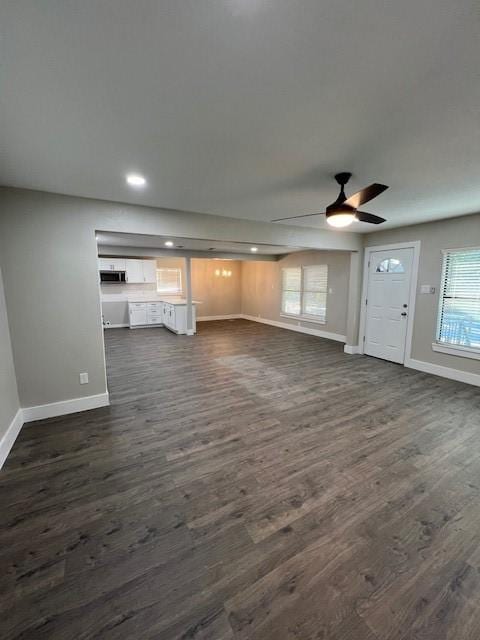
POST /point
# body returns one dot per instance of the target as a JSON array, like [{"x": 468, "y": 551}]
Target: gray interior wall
[
  {"x": 115, "y": 313},
  {"x": 262, "y": 286},
  {"x": 434, "y": 236},
  {"x": 48, "y": 254},
  {"x": 9, "y": 402},
  {"x": 354, "y": 296}
]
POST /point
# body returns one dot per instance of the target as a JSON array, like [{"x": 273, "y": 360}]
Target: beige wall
[
  {"x": 434, "y": 236},
  {"x": 219, "y": 295},
  {"x": 261, "y": 288},
  {"x": 9, "y": 403}
]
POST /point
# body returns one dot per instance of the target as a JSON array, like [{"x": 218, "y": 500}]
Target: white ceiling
[
  {"x": 135, "y": 240},
  {"x": 245, "y": 108}
]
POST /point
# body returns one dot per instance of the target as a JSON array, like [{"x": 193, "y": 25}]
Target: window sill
[
  {"x": 456, "y": 350},
  {"x": 303, "y": 318}
]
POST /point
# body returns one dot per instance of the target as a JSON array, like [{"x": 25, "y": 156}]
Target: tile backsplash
[{"x": 108, "y": 289}]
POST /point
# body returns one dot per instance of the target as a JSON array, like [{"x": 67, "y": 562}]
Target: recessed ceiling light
[
  {"x": 136, "y": 180},
  {"x": 254, "y": 249},
  {"x": 169, "y": 243}
]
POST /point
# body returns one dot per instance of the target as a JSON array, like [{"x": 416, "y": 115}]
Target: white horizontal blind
[
  {"x": 291, "y": 290},
  {"x": 169, "y": 280},
  {"x": 459, "y": 314},
  {"x": 314, "y": 299}
]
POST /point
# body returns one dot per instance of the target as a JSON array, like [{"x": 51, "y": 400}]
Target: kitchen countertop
[
  {"x": 177, "y": 302},
  {"x": 139, "y": 297}
]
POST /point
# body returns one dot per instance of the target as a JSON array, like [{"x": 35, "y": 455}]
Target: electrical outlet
[{"x": 84, "y": 378}]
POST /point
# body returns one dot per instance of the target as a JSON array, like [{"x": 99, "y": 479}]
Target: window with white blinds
[
  {"x": 304, "y": 292},
  {"x": 169, "y": 280},
  {"x": 292, "y": 290},
  {"x": 314, "y": 299},
  {"x": 459, "y": 313}
]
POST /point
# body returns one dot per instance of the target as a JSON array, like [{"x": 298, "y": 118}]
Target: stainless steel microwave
[{"x": 114, "y": 277}]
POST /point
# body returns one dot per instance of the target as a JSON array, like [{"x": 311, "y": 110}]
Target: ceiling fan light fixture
[{"x": 340, "y": 219}]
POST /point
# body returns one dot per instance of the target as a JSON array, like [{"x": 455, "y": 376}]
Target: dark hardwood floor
[{"x": 247, "y": 483}]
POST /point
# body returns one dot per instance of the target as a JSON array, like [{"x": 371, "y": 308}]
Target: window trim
[
  {"x": 446, "y": 347},
  {"x": 456, "y": 350},
  {"x": 303, "y": 316}
]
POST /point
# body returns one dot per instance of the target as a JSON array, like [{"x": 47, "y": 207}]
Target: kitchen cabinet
[
  {"x": 150, "y": 271},
  {"x": 175, "y": 317},
  {"x": 143, "y": 314},
  {"x": 134, "y": 269},
  {"x": 140, "y": 271},
  {"x": 172, "y": 315},
  {"x": 111, "y": 264},
  {"x": 154, "y": 312},
  {"x": 169, "y": 316},
  {"x": 137, "y": 313}
]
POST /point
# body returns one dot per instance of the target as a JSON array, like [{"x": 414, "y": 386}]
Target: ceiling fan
[{"x": 344, "y": 211}]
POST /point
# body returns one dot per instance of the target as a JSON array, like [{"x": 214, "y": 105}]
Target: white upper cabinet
[
  {"x": 111, "y": 264},
  {"x": 134, "y": 270},
  {"x": 137, "y": 271},
  {"x": 150, "y": 271}
]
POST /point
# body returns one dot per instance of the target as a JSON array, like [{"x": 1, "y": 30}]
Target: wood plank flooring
[{"x": 246, "y": 483}]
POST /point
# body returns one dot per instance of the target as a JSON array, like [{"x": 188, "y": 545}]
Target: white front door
[{"x": 388, "y": 293}]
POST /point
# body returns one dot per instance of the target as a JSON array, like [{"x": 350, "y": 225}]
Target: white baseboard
[
  {"x": 444, "y": 372},
  {"x": 40, "y": 412},
  {"x": 230, "y": 316},
  {"x": 9, "y": 437},
  {"x": 351, "y": 349},
  {"x": 299, "y": 328},
  {"x": 115, "y": 326},
  {"x": 65, "y": 407}
]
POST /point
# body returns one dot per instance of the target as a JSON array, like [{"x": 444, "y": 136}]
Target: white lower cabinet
[
  {"x": 137, "y": 314},
  {"x": 143, "y": 314},
  {"x": 154, "y": 312},
  {"x": 175, "y": 317},
  {"x": 171, "y": 316}
]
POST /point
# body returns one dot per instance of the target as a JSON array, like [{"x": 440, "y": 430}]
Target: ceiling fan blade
[
  {"x": 306, "y": 215},
  {"x": 361, "y": 216},
  {"x": 369, "y": 193}
]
